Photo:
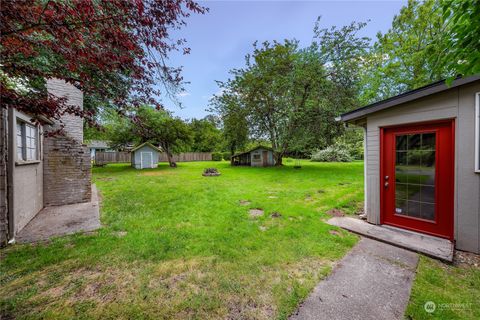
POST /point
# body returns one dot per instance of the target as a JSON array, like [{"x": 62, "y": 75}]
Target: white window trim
[
  {"x": 24, "y": 159},
  {"x": 477, "y": 132}
]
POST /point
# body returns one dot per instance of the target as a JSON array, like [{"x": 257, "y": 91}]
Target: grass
[
  {"x": 178, "y": 245},
  {"x": 455, "y": 290}
]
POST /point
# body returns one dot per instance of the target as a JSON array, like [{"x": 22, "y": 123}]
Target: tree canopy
[{"x": 113, "y": 50}]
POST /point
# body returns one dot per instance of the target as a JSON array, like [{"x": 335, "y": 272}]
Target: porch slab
[
  {"x": 431, "y": 246},
  {"x": 62, "y": 220}
]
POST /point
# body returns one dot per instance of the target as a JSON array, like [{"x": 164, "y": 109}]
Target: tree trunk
[
  {"x": 278, "y": 158},
  {"x": 172, "y": 163}
]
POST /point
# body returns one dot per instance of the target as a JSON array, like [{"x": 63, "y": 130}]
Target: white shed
[{"x": 145, "y": 156}]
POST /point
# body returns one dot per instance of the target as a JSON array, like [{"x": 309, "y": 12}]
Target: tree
[
  {"x": 206, "y": 135},
  {"x": 233, "y": 118},
  {"x": 160, "y": 128},
  {"x": 410, "y": 54},
  {"x": 463, "y": 41},
  {"x": 113, "y": 50}
]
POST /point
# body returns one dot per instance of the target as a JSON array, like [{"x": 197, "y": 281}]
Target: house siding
[
  {"x": 27, "y": 179},
  {"x": 457, "y": 103},
  {"x": 3, "y": 178}
]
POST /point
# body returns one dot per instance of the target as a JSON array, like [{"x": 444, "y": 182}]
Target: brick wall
[
  {"x": 3, "y": 178},
  {"x": 73, "y": 124},
  {"x": 66, "y": 167}
]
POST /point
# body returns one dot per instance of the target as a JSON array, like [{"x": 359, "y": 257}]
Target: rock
[{"x": 210, "y": 172}]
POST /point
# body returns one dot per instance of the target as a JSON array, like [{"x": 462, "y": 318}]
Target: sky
[{"x": 220, "y": 39}]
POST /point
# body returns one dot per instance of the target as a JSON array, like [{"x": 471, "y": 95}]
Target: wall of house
[
  {"x": 3, "y": 178},
  {"x": 457, "y": 103},
  {"x": 27, "y": 180},
  {"x": 259, "y": 163},
  {"x": 136, "y": 157},
  {"x": 67, "y": 162}
]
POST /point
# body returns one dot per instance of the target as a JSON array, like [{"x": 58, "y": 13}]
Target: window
[
  {"x": 256, "y": 157},
  {"x": 26, "y": 141},
  {"x": 477, "y": 132}
]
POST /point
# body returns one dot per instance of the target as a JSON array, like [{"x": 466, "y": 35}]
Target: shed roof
[
  {"x": 146, "y": 144},
  {"x": 408, "y": 96},
  {"x": 257, "y": 147},
  {"x": 98, "y": 144}
]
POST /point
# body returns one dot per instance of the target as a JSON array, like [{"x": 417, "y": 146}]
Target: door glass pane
[{"x": 415, "y": 175}]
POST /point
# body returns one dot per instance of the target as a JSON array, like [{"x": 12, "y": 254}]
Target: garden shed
[
  {"x": 257, "y": 157},
  {"x": 145, "y": 156},
  {"x": 422, "y": 161}
]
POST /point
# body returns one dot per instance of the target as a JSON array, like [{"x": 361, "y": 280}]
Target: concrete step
[{"x": 431, "y": 246}]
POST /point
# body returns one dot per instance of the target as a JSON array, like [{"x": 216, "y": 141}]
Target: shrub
[
  {"x": 227, "y": 156},
  {"x": 217, "y": 156},
  {"x": 332, "y": 153}
]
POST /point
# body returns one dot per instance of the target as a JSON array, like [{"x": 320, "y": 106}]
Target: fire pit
[{"x": 210, "y": 172}]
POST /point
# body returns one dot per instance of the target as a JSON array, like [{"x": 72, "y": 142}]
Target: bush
[
  {"x": 227, "y": 156},
  {"x": 333, "y": 153},
  {"x": 217, "y": 156}
]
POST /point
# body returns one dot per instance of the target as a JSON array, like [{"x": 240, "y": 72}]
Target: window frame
[
  {"x": 28, "y": 144},
  {"x": 477, "y": 132}
]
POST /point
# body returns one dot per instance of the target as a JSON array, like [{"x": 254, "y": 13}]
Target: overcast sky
[{"x": 220, "y": 39}]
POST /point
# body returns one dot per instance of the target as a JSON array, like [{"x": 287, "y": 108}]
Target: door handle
[{"x": 386, "y": 184}]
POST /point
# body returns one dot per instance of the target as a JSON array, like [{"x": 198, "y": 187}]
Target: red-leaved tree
[{"x": 113, "y": 50}]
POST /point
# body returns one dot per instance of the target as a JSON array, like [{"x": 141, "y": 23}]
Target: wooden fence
[
  {"x": 102, "y": 158},
  {"x": 187, "y": 156}
]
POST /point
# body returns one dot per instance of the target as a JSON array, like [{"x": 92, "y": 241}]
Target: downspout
[{"x": 10, "y": 169}]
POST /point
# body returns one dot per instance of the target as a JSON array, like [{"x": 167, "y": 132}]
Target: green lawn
[
  {"x": 176, "y": 245},
  {"x": 179, "y": 245},
  {"x": 455, "y": 290}
]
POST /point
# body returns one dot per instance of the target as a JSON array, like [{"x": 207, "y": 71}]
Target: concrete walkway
[
  {"x": 62, "y": 220},
  {"x": 431, "y": 246},
  {"x": 372, "y": 281}
]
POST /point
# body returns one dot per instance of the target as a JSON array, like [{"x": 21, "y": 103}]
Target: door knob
[
  {"x": 387, "y": 177},
  {"x": 386, "y": 184}
]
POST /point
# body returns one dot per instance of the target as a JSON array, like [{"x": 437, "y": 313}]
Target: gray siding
[
  {"x": 136, "y": 157},
  {"x": 27, "y": 181},
  {"x": 3, "y": 178},
  {"x": 457, "y": 103}
]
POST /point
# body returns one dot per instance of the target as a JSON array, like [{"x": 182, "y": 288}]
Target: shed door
[
  {"x": 265, "y": 158},
  {"x": 417, "y": 177},
  {"x": 147, "y": 160}
]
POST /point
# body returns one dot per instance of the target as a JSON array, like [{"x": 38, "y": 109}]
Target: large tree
[
  {"x": 206, "y": 135},
  {"x": 113, "y": 50},
  {"x": 159, "y": 127},
  {"x": 410, "y": 54}
]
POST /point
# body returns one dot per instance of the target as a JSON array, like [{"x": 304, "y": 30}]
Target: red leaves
[{"x": 112, "y": 49}]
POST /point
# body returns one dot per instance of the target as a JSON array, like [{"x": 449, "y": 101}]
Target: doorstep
[{"x": 431, "y": 246}]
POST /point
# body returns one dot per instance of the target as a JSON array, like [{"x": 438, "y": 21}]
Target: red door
[{"x": 417, "y": 177}]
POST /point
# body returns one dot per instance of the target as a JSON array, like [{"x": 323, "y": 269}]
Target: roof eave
[{"x": 405, "y": 97}]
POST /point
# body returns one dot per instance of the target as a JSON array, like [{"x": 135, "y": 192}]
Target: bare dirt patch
[
  {"x": 244, "y": 202},
  {"x": 466, "y": 259},
  {"x": 336, "y": 212},
  {"x": 258, "y": 212},
  {"x": 275, "y": 215}
]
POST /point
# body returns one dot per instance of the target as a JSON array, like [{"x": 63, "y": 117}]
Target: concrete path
[
  {"x": 372, "y": 281},
  {"x": 62, "y": 220},
  {"x": 431, "y": 246}
]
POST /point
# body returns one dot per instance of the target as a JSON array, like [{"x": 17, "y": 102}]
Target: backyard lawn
[{"x": 179, "y": 245}]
